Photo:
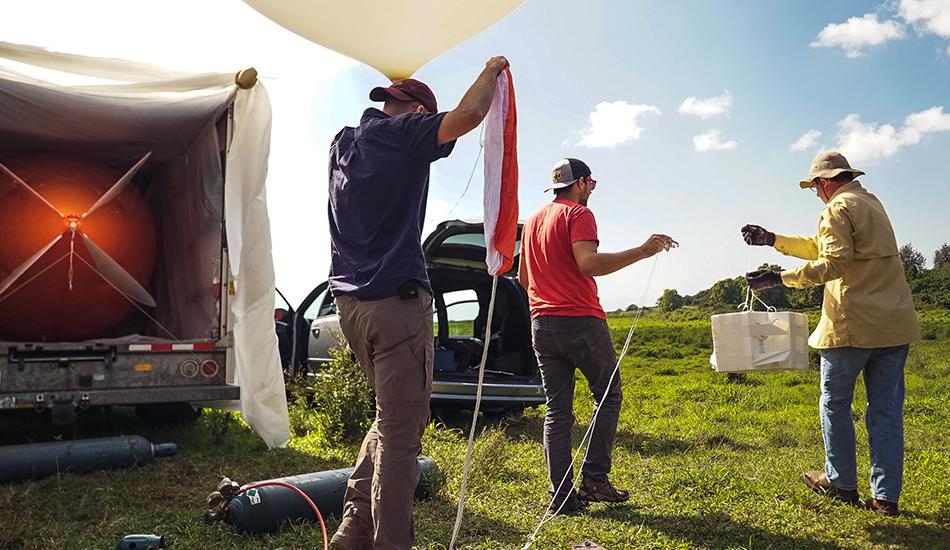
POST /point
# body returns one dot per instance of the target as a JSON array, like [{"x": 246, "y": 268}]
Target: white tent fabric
[{"x": 91, "y": 106}]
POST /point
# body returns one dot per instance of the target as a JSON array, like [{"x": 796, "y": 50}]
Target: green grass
[{"x": 712, "y": 463}]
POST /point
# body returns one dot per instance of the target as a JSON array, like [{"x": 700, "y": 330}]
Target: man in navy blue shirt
[{"x": 379, "y": 183}]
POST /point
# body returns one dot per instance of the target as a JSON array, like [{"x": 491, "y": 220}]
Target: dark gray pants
[{"x": 563, "y": 344}]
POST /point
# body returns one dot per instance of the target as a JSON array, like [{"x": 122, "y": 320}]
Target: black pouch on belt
[{"x": 409, "y": 290}]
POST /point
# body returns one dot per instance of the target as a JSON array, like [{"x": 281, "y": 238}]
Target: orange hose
[{"x": 323, "y": 526}]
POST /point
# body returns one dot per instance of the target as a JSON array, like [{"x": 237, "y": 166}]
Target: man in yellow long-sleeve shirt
[{"x": 867, "y": 323}]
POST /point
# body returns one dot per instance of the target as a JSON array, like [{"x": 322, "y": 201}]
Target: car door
[
  {"x": 462, "y": 244},
  {"x": 324, "y": 331}
]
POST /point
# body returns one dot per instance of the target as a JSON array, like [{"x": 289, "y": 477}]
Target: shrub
[{"x": 338, "y": 404}]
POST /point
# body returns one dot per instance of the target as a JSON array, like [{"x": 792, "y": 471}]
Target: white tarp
[
  {"x": 759, "y": 341},
  {"x": 110, "y": 110}
]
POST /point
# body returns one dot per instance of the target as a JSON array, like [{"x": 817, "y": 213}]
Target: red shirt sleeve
[{"x": 582, "y": 225}]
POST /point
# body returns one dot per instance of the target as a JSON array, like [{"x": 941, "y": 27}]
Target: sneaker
[
  {"x": 601, "y": 491},
  {"x": 882, "y": 507},
  {"x": 818, "y": 482}
]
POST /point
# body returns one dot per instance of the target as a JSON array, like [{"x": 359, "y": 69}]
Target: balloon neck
[{"x": 72, "y": 222}]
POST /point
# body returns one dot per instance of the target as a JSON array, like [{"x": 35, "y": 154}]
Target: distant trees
[
  {"x": 728, "y": 291},
  {"x": 912, "y": 259},
  {"x": 670, "y": 300},
  {"x": 942, "y": 256},
  {"x": 805, "y": 298},
  {"x": 930, "y": 288}
]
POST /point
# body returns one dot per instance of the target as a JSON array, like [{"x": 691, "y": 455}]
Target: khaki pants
[{"x": 392, "y": 339}]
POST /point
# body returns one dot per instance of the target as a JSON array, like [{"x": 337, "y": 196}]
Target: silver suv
[{"x": 455, "y": 261}]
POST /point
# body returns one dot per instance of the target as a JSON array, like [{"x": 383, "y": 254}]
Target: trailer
[{"x": 86, "y": 322}]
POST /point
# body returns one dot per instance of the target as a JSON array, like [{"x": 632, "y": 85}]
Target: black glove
[
  {"x": 763, "y": 279},
  {"x": 757, "y": 236}
]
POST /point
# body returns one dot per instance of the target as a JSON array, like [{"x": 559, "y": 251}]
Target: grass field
[{"x": 711, "y": 463}]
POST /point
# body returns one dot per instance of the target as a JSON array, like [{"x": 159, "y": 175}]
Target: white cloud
[
  {"x": 870, "y": 142},
  {"x": 931, "y": 15},
  {"x": 857, "y": 34},
  {"x": 712, "y": 141},
  {"x": 806, "y": 141},
  {"x": 707, "y": 108},
  {"x": 615, "y": 122}
]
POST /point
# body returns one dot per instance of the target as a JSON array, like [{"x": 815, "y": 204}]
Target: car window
[
  {"x": 314, "y": 308},
  {"x": 461, "y": 308},
  {"x": 329, "y": 305},
  {"x": 473, "y": 239}
]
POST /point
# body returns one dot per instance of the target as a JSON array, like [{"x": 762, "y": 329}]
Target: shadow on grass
[
  {"x": 709, "y": 529},
  {"x": 22, "y": 427},
  {"x": 214, "y": 445},
  {"x": 433, "y": 523},
  {"x": 917, "y": 535},
  {"x": 648, "y": 444}
]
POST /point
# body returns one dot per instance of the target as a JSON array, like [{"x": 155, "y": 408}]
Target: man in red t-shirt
[{"x": 559, "y": 260}]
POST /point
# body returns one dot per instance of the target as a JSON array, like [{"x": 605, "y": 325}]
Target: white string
[
  {"x": 548, "y": 515},
  {"x": 31, "y": 279},
  {"x": 748, "y": 304},
  {"x": 460, "y": 512},
  {"x": 481, "y": 147},
  {"x": 134, "y": 303}
]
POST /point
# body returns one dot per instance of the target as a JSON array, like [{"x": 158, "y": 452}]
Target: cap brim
[
  {"x": 806, "y": 183},
  {"x": 559, "y": 186},
  {"x": 380, "y": 93}
]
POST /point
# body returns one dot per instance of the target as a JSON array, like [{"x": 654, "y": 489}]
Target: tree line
[{"x": 930, "y": 288}]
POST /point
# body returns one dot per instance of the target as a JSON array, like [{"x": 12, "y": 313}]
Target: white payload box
[{"x": 759, "y": 341}]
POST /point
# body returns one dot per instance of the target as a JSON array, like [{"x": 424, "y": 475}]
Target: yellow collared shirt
[{"x": 867, "y": 302}]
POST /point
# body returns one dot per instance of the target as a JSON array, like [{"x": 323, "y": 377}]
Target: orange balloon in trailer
[{"x": 73, "y": 233}]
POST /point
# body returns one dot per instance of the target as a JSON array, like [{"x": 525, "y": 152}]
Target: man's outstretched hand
[
  {"x": 757, "y": 235},
  {"x": 658, "y": 243}
]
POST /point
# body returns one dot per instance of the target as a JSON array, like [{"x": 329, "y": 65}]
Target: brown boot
[
  {"x": 817, "y": 481},
  {"x": 882, "y": 507},
  {"x": 353, "y": 534},
  {"x": 601, "y": 491},
  {"x": 572, "y": 507}
]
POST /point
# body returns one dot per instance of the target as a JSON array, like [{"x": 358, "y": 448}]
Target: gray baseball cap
[{"x": 566, "y": 172}]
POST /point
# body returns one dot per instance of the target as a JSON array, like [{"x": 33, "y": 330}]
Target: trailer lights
[
  {"x": 209, "y": 368},
  {"x": 188, "y": 368}
]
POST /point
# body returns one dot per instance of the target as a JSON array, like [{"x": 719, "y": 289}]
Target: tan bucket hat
[{"x": 828, "y": 165}]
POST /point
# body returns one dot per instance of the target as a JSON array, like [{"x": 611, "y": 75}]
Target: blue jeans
[{"x": 884, "y": 383}]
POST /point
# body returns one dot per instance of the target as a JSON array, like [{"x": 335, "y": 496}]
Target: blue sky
[{"x": 762, "y": 74}]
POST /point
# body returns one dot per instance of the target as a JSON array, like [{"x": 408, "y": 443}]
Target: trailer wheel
[{"x": 168, "y": 413}]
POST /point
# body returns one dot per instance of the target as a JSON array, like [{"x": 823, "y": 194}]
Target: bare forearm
[
  {"x": 605, "y": 263},
  {"x": 477, "y": 100},
  {"x": 474, "y": 105}
]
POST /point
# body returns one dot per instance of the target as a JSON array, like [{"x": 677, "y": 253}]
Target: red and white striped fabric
[
  {"x": 501, "y": 177},
  {"x": 203, "y": 346}
]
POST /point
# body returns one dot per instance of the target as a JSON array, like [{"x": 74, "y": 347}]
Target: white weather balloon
[{"x": 394, "y": 36}]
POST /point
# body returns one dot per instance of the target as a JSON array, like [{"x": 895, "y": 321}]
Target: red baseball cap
[{"x": 408, "y": 89}]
